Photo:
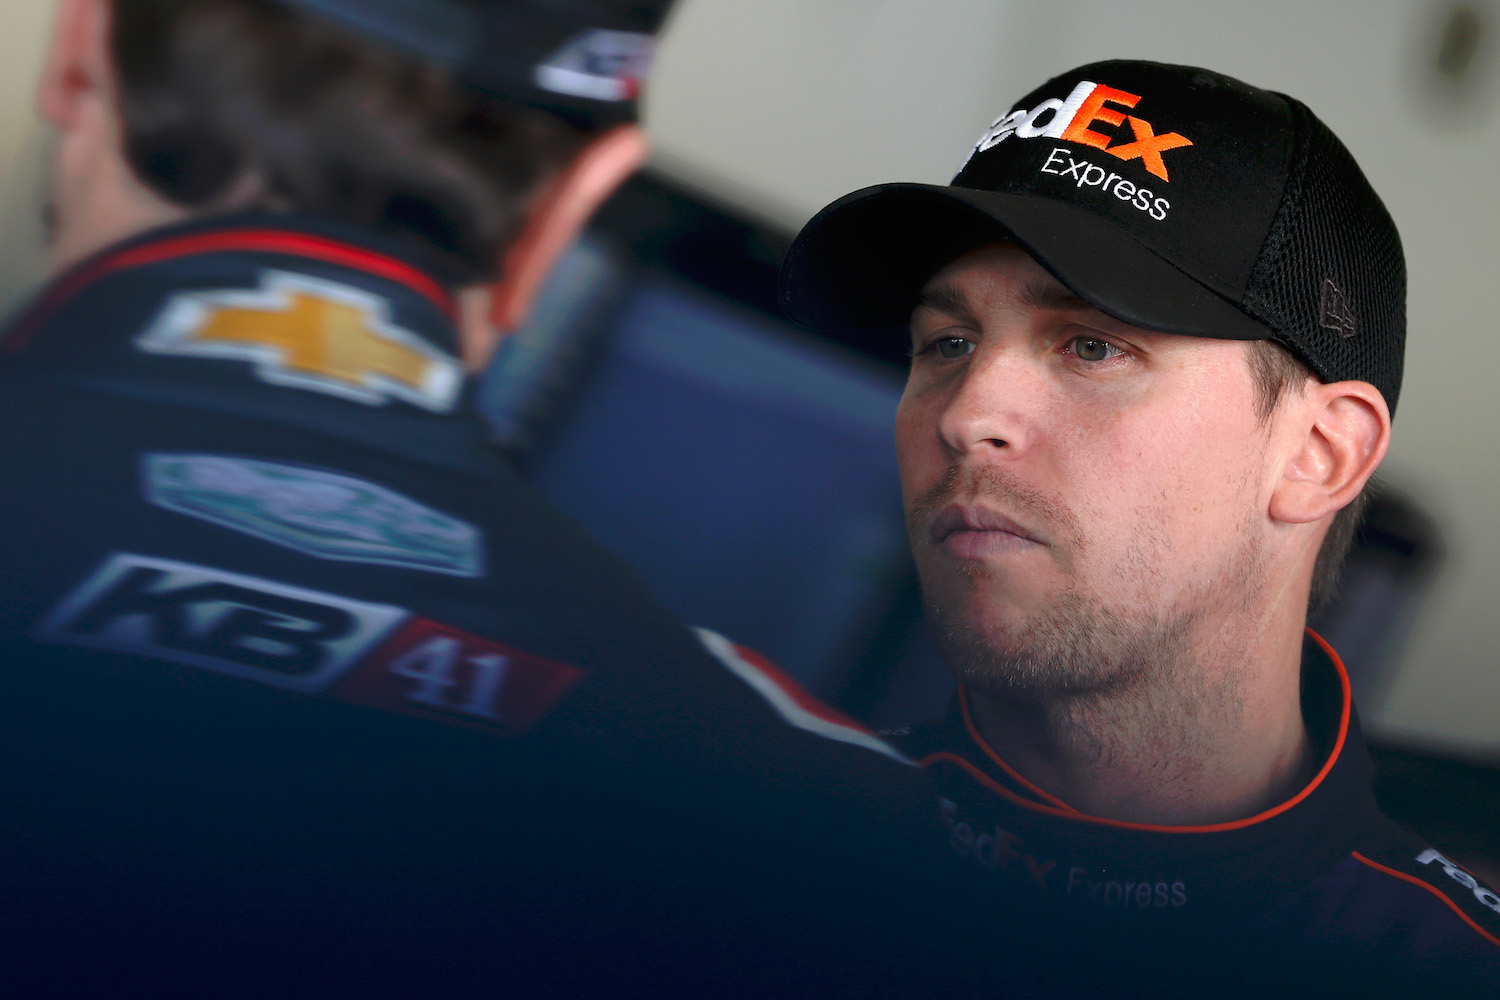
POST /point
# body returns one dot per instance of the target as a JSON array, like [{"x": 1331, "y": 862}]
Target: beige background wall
[
  {"x": 24, "y": 25},
  {"x": 783, "y": 105}
]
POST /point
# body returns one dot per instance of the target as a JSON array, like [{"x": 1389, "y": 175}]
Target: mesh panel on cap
[{"x": 1333, "y": 228}]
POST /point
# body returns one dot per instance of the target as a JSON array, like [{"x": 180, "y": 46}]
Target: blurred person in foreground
[
  {"x": 1157, "y": 327},
  {"x": 303, "y": 687}
]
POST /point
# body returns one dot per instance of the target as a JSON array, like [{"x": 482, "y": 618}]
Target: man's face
[{"x": 1086, "y": 499}]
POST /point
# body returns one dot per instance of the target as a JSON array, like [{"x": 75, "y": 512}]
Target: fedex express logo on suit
[{"x": 1071, "y": 119}]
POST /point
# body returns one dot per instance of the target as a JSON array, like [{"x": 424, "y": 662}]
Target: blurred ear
[
  {"x": 558, "y": 216},
  {"x": 77, "y": 67},
  {"x": 1341, "y": 433}
]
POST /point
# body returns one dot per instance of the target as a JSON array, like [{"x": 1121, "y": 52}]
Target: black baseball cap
[
  {"x": 1170, "y": 197},
  {"x": 583, "y": 60}
]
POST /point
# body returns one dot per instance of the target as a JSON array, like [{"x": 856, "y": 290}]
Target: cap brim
[{"x": 860, "y": 263}]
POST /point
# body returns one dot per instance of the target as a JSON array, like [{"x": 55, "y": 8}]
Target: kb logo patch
[{"x": 247, "y": 627}]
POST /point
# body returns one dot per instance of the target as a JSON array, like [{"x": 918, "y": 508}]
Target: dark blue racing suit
[
  {"x": 303, "y": 685},
  {"x": 1321, "y": 886}
]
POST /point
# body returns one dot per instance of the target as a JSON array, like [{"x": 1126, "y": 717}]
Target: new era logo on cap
[{"x": 1335, "y": 311}]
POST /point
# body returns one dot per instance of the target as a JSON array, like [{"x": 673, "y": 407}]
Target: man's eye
[
  {"x": 1093, "y": 349},
  {"x": 953, "y": 347}
]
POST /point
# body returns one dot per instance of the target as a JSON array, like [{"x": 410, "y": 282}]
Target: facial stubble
[{"x": 1074, "y": 645}]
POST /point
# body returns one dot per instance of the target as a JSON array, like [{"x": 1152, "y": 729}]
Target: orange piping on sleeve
[{"x": 1418, "y": 882}]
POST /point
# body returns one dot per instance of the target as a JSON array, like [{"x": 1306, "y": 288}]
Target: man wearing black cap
[
  {"x": 1157, "y": 324},
  {"x": 301, "y": 684}
]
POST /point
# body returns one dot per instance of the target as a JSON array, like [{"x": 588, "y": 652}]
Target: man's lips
[{"x": 975, "y": 532}]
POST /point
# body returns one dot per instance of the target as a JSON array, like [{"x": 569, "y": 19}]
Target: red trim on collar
[
  {"x": 1016, "y": 776},
  {"x": 249, "y": 240},
  {"x": 1069, "y": 813}
]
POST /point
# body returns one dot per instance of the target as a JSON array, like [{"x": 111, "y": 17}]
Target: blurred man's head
[
  {"x": 440, "y": 121},
  {"x": 1153, "y": 360}
]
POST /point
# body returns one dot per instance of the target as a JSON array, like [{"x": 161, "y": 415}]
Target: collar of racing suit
[
  {"x": 1002, "y": 822},
  {"x": 89, "y": 326}
]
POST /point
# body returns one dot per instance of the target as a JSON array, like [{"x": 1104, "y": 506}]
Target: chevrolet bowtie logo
[{"x": 310, "y": 334}]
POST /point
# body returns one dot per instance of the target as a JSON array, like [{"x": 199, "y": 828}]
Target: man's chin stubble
[
  {"x": 1077, "y": 649},
  {"x": 1074, "y": 648}
]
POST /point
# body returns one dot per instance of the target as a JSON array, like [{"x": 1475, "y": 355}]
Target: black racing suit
[
  {"x": 302, "y": 683},
  {"x": 1322, "y": 885}
]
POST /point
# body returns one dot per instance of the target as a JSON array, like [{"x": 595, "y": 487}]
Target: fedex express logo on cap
[{"x": 1070, "y": 119}]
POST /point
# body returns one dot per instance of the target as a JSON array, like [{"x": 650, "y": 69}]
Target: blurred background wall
[
  {"x": 24, "y": 26},
  {"x": 778, "y": 106}
]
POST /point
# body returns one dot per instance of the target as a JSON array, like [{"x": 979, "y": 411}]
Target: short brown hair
[
  {"x": 213, "y": 93},
  {"x": 1275, "y": 370}
]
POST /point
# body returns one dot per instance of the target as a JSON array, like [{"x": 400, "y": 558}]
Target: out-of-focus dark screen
[
  {"x": 743, "y": 466},
  {"x": 744, "y": 472}
]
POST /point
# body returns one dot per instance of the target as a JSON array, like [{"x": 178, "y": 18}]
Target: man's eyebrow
[
  {"x": 945, "y": 298},
  {"x": 948, "y": 298},
  {"x": 1053, "y": 297}
]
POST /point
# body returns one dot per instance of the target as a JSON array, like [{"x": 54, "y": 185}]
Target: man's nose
[{"x": 995, "y": 406}]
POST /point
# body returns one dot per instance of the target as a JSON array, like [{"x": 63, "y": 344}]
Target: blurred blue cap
[{"x": 583, "y": 60}]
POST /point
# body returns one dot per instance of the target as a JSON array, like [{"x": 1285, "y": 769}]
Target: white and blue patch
[{"x": 327, "y": 515}]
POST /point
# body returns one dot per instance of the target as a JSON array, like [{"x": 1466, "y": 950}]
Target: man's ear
[
  {"x": 77, "y": 67},
  {"x": 1341, "y": 433},
  {"x": 557, "y": 217}
]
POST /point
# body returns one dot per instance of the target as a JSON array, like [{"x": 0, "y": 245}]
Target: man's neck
[
  {"x": 93, "y": 221},
  {"x": 1213, "y": 740},
  {"x": 96, "y": 200}
]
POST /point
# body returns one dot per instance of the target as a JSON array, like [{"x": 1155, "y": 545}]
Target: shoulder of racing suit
[
  {"x": 267, "y": 585},
  {"x": 256, "y": 396}
]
